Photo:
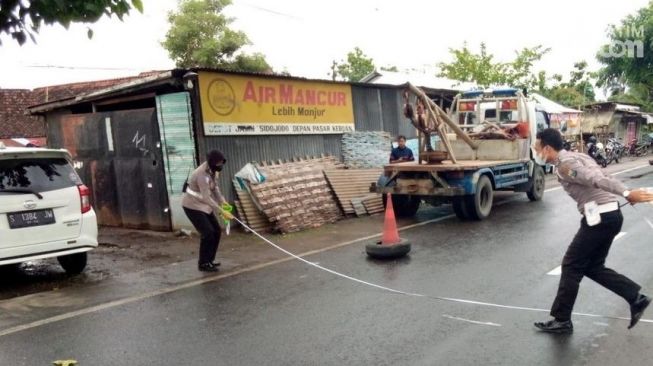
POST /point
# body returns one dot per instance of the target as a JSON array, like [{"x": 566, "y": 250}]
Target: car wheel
[
  {"x": 537, "y": 189},
  {"x": 479, "y": 205},
  {"x": 73, "y": 263}
]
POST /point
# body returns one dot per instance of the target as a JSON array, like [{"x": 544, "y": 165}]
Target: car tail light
[
  {"x": 466, "y": 106},
  {"x": 85, "y": 198},
  {"x": 510, "y": 104}
]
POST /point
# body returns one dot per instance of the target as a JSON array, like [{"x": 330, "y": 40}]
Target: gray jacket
[
  {"x": 207, "y": 195},
  {"x": 585, "y": 181}
]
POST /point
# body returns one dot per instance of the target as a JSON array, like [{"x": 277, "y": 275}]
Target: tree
[
  {"x": 200, "y": 36},
  {"x": 482, "y": 69},
  {"x": 358, "y": 66},
  {"x": 22, "y": 19},
  {"x": 390, "y": 68},
  {"x": 578, "y": 91},
  {"x": 636, "y": 94},
  {"x": 628, "y": 59}
]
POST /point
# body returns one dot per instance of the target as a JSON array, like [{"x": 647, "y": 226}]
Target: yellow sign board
[{"x": 254, "y": 105}]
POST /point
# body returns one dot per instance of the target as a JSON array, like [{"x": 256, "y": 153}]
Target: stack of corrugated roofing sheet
[
  {"x": 351, "y": 184},
  {"x": 249, "y": 212},
  {"x": 296, "y": 195}
]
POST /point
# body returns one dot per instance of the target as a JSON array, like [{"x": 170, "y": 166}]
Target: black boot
[
  {"x": 555, "y": 326},
  {"x": 207, "y": 267},
  {"x": 637, "y": 309}
]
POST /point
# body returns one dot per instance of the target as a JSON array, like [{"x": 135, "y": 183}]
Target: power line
[
  {"x": 271, "y": 11},
  {"x": 84, "y": 68}
]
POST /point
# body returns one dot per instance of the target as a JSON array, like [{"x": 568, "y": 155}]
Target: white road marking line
[
  {"x": 556, "y": 271},
  {"x": 649, "y": 222},
  {"x": 470, "y": 321},
  {"x": 163, "y": 291}
]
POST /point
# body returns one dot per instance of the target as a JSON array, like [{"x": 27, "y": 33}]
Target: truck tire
[
  {"x": 73, "y": 263},
  {"x": 404, "y": 205},
  {"x": 536, "y": 192},
  {"x": 460, "y": 208},
  {"x": 479, "y": 205}
]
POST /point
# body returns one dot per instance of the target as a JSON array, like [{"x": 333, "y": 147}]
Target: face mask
[{"x": 216, "y": 168}]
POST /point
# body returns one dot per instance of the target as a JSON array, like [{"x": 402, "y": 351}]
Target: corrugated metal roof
[
  {"x": 422, "y": 80},
  {"x": 550, "y": 106}
]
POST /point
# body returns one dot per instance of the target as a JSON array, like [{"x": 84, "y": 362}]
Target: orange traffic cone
[{"x": 390, "y": 232}]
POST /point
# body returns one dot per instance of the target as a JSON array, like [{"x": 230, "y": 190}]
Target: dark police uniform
[
  {"x": 585, "y": 182},
  {"x": 405, "y": 153}
]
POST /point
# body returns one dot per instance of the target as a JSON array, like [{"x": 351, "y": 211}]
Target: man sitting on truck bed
[{"x": 401, "y": 152}]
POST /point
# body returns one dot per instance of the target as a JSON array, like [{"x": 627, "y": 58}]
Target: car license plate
[{"x": 19, "y": 220}]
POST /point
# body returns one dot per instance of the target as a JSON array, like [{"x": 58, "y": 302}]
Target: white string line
[{"x": 414, "y": 294}]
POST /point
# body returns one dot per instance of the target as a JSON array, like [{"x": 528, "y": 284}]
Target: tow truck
[{"x": 473, "y": 163}]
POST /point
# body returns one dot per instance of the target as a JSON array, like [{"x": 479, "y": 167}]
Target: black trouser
[
  {"x": 586, "y": 257},
  {"x": 207, "y": 226}
]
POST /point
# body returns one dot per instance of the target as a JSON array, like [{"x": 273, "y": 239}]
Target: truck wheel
[
  {"x": 479, "y": 205},
  {"x": 73, "y": 263},
  {"x": 537, "y": 188},
  {"x": 404, "y": 205},
  {"x": 460, "y": 208}
]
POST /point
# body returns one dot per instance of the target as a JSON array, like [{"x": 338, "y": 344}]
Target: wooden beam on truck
[
  {"x": 440, "y": 113},
  {"x": 443, "y": 136}
]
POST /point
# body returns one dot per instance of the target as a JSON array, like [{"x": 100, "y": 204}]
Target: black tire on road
[
  {"x": 73, "y": 263},
  {"x": 404, "y": 205},
  {"x": 479, "y": 205},
  {"x": 460, "y": 208},
  {"x": 537, "y": 188},
  {"x": 378, "y": 251}
]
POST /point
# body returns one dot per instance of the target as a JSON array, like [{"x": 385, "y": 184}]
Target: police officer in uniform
[
  {"x": 594, "y": 192},
  {"x": 201, "y": 198}
]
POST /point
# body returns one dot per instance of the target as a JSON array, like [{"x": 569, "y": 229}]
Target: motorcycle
[
  {"x": 636, "y": 148},
  {"x": 570, "y": 145},
  {"x": 614, "y": 150},
  {"x": 597, "y": 152}
]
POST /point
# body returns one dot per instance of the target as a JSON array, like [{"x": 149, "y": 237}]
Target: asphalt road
[{"x": 294, "y": 314}]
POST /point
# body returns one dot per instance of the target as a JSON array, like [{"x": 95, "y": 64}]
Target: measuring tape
[{"x": 414, "y": 294}]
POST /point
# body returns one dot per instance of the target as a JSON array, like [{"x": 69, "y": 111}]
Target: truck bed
[{"x": 447, "y": 165}]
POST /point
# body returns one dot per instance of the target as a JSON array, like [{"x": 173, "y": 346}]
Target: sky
[{"x": 303, "y": 37}]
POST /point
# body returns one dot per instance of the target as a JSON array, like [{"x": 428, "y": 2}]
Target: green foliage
[
  {"x": 637, "y": 94},
  {"x": 629, "y": 69},
  {"x": 576, "y": 92},
  {"x": 22, "y": 19},
  {"x": 482, "y": 69},
  {"x": 390, "y": 68},
  {"x": 358, "y": 66},
  {"x": 200, "y": 36},
  {"x": 628, "y": 77}
]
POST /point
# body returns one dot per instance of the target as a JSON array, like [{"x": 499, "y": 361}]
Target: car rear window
[{"x": 40, "y": 175}]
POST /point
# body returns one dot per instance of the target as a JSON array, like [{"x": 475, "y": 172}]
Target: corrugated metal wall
[
  {"x": 375, "y": 109},
  {"x": 240, "y": 150},
  {"x": 178, "y": 148},
  {"x": 117, "y": 156}
]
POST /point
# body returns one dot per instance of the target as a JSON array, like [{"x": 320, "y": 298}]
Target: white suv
[{"x": 45, "y": 210}]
